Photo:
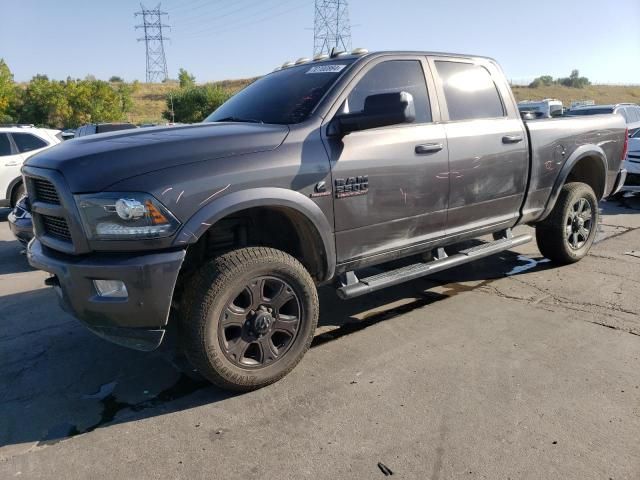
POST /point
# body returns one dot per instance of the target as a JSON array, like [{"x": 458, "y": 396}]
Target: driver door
[{"x": 390, "y": 184}]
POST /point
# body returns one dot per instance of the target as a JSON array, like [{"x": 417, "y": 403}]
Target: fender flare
[
  {"x": 211, "y": 213},
  {"x": 577, "y": 155}
]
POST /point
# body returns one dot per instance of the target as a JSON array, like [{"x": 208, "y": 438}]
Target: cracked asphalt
[{"x": 507, "y": 368}]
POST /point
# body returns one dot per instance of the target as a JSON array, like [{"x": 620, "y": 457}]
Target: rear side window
[
  {"x": 623, "y": 112},
  {"x": 27, "y": 142},
  {"x": 392, "y": 77},
  {"x": 469, "y": 91},
  {"x": 633, "y": 114},
  {"x": 5, "y": 145}
]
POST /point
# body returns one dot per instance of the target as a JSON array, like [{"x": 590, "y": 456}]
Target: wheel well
[
  {"x": 12, "y": 191},
  {"x": 282, "y": 228},
  {"x": 589, "y": 170}
]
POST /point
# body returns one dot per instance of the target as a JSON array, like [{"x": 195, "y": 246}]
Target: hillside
[
  {"x": 149, "y": 99},
  {"x": 601, "y": 94}
]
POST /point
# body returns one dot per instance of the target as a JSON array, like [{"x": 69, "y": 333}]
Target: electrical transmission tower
[
  {"x": 154, "y": 41},
  {"x": 331, "y": 27}
]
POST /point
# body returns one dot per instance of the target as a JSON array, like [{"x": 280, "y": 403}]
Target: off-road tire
[
  {"x": 551, "y": 234},
  {"x": 206, "y": 297}
]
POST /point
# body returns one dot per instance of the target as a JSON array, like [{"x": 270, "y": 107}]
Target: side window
[
  {"x": 27, "y": 142},
  {"x": 390, "y": 77},
  {"x": 5, "y": 145},
  {"x": 634, "y": 114},
  {"x": 469, "y": 91}
]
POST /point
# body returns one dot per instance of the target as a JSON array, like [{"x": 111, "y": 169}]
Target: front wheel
[
  {"x": 248, "y": 318},
  {"x": 567, "y": 234}
]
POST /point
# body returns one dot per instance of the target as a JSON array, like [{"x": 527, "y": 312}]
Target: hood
[{"x": 92, "y": 163}]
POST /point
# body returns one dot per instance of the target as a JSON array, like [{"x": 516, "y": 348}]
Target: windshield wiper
[{"x": 238, "y": 119}]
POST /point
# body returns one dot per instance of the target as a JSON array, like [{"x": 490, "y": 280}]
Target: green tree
[
  {"x": 574, "y": 80},
  {"x": 44, "y": 102},
  {"x": 9, "y": 94},
  {"x": 544, "y": 80},
  {"x": 186, "y": 79},
  {"x": 194, "y": 104},
  {"x": 71, "y": 103},
  {"x": 116, "y": 79}
]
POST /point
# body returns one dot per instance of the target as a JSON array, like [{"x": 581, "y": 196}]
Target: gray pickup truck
[{"x": 304, "y": 178}]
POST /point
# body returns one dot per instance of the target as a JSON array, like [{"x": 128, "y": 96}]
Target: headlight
[{"x": 125, "y": 216}]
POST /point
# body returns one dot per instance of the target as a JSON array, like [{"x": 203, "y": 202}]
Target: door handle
[
  {"x": 428, "y": 148},
  {"x": 512, "y": 139},
  {"x": 11, "y": 164}
]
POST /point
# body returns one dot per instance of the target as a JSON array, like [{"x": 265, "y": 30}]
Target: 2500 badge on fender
[{"x": 352, "y": 186}]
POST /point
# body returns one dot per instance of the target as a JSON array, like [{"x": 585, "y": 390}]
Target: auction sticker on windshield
[{"x": 326, "y": 69}]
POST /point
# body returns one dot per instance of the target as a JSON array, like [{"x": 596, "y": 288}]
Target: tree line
[
  {"x": 574, "y": 81},
  {"x": 62, "y": 104}
]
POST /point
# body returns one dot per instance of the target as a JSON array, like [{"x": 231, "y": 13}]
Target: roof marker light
[
  {"x": 302, "y": 60},
  {"x": 359, "y": 51},
  {"x": 320, "y": 56}
]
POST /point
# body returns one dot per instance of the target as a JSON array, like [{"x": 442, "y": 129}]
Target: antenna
[
  {"x": 331, "y": 27},
  {"x": 154, "y": 41}
]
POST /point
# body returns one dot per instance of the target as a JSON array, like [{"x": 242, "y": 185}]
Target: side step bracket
[{"x": 421, "y": 269}]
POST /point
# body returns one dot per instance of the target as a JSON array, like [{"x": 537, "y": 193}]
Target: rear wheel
[
  {"x": 18, "y": 192},
  {"x": 249, "y": 317},
  {"x": 567, "y": 234}
]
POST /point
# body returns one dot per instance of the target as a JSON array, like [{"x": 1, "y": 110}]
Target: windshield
[
  {"x": 590, "y": 111},
  {"x": 284, "y": 97}
]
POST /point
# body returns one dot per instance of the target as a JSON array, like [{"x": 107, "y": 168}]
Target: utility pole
[
  {"x": 154, "y": 42},
  {"x": 331, "y": 27}
]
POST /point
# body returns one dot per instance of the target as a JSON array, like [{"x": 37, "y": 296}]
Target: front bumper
[
  {"x": 22, "y": 228},
  {"x": 137, "y": 321}
]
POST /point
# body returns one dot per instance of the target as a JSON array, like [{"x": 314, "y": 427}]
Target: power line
[
  {"x": 220, "y": 14},
  {"x": 235, "y": 26},
  {"x": 331, "y": 27},
  {"x": 154, "y": 42}
]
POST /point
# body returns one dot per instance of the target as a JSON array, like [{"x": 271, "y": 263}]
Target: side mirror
[
  {"x": 67, "y": 135},
  {"x": 380, "y": 110}
]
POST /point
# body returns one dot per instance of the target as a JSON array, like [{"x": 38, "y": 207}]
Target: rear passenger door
[{"x": 488, "y": 156}]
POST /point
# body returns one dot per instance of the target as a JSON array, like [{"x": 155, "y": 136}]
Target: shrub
[{"x": 194, "y": 104}]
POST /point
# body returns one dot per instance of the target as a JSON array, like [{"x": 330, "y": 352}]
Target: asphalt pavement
[{"x": 509, "y": 368}]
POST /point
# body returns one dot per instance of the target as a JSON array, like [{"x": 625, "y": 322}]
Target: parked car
[
  {"x": 93, "y": 128},
  {"x": 20, "y": 222},
  {"x": 630, "y": 112},
  {"x": 547, "y": 108},
  {"x": 304, "y": 178},
  {"x": 632, "y": 164},
  {"x": 17, "y": 143}
]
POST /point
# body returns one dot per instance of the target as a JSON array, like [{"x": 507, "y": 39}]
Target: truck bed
[{"x": 554, "y": 142}]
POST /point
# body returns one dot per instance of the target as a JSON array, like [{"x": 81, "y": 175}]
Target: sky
[{"x": 222, "y": 39}]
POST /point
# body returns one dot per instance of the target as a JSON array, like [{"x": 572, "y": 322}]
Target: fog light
[{"x": 111, "y": 288}]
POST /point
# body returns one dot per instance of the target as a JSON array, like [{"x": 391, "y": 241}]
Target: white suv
[{"x": 17, "y": 143}]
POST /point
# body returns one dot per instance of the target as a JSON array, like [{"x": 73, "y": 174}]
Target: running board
[{"x": 417, "y": 270}]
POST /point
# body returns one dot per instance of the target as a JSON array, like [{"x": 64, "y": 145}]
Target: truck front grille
[
  {"x": 56, "y": 227},
  {"x": 45, "y": 191}
]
